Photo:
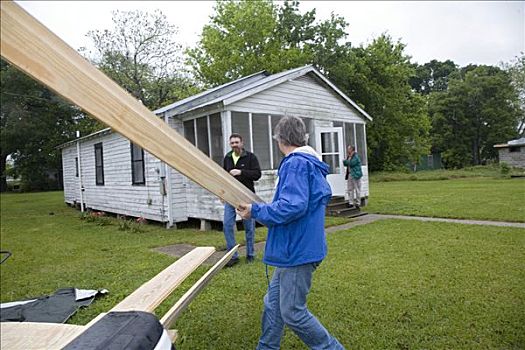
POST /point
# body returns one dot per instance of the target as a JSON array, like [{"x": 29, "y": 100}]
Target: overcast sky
[{"x": 465, "y": 32}]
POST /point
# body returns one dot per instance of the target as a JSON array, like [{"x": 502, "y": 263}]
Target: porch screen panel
[
  {"x": 277, "y": 155},
  {"x": 217, "y": 149},
  {"x": 309, "y": 131},
  {"x": 349, "y": 135},
  {"x": 189, "y": 131},
  {"x": 202, "y": 135},
  {"x": 261, "y": 140},
  {"x": 361, "y": 142},
  {"x": 241, "y": 126}
]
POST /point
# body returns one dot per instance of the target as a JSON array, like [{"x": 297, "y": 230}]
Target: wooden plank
[
  {"x": 30, "y": 46},
  {"x": 36, "y": 335},
  {"x": 173, "y": 334},
  {"x": 148, "y": 296},
  {"x": 171, "y": 316}
]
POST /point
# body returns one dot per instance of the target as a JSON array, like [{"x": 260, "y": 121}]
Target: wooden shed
[{"x": 106, "y": 172}]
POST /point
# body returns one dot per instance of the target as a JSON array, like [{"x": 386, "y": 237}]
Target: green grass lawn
[
  {"x": 469, "y": 198},
  {"x": 47, "y": 237},
  {"x": 391, "y": 284},
  {"x": 388, "y": 285},
  {"x": 487, "y": 171}
]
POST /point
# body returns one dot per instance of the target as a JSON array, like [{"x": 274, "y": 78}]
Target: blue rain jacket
[{"x": 295, "y": 218}]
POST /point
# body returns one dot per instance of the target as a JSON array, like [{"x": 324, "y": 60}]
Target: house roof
[
  {"x": 87, "y": 137},
  {"x": 247, "y": 86},
  {"x": 234, "y": 91},
  {"x": 211, "y": 94},
  {"x": 512, "y": 143}
]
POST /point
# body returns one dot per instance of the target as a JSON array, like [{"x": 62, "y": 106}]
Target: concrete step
[
  {"x": 337, "y": 205},
  {"x": 336, "y": 199},
  {"x": 348, "y": 212}
]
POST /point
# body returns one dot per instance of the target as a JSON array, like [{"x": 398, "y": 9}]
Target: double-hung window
[
  {"x": 137, "y": 165},
  {"x": 99, "y": 164}
]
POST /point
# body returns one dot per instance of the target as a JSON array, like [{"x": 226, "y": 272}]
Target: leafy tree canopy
[
  {"x": 433, "y": 76},
  {"x": 478, "y": 110},
  {"x": 516, "y": 70},
  {"x": 33, "y": 122},
  {"x": 249, "y": 36},
  {"x": 140, "y": 53},
  {"x": 376, "y": 76}
]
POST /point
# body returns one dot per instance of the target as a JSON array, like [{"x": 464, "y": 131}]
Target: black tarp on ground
[{"x": 55, "y": 308}]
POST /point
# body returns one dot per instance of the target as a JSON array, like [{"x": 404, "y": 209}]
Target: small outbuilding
[
  {"x": 105, "y": 171},
  {"x": 512, "y": 153}
]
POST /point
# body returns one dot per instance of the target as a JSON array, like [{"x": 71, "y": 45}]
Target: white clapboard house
[{"x": 106, "y": 172}]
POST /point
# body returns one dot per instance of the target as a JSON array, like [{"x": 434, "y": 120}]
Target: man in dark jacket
[
  {"x": 244, "y": 166},
  {"x": 296, "y": 242}
]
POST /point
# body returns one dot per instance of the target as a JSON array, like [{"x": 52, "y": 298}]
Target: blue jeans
[
  {"x": 229, "y": 235},
  {"x": 285, "y": 304}
]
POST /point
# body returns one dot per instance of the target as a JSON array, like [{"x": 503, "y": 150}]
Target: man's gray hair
[{"x": 290, "y": 131}]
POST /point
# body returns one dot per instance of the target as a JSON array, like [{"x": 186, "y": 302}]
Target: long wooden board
[
  {"x": 148, "y": 296},
  {"x": 30, "y": 46},
  {"x": 34, "y": 335},
  {"x": 171, "y": 316}
]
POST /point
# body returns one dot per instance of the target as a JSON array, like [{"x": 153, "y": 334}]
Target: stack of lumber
[{"x": 33, "y": 335}]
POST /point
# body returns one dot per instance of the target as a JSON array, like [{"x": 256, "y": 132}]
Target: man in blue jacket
[{"x": 296, "y": 242}]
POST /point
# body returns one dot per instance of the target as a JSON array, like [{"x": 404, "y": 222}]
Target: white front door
[{"x": 329, "y": 142}]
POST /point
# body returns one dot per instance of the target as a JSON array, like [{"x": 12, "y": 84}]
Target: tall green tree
[
  {"x": 33, "y": 122},
  {"x": 140, "y": 53},
  {"x": 249, "y": 36},
  {"x": 478, "y": 110},
  {"x": 240, "y": 40},
  {"x": 516, "y": 70},
  {"x": 433, "y": 76},
  {"x": 377, "y": 77}
]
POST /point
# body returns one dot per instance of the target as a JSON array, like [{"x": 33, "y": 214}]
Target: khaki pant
[{"x": 353, "y": 189}]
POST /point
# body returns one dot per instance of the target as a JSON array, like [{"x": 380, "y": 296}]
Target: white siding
[
  {"x": 202, "y": 204},
  {"x": 117, "y": 195},
  {"x": 178, "y": 188},
  {"x": 301, "y": 97},
  {"x": 71, "y": 181},
  {"x": 365, "y": 189}
]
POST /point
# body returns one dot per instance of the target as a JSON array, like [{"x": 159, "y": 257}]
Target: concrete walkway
[
  {"x": 366, "y": 219},
  {"x": 179, "y": 250}
]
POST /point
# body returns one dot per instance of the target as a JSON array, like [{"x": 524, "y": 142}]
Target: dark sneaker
[
  {"x": 250, "y": 259},
  {"x": 232, "y": 262}
]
